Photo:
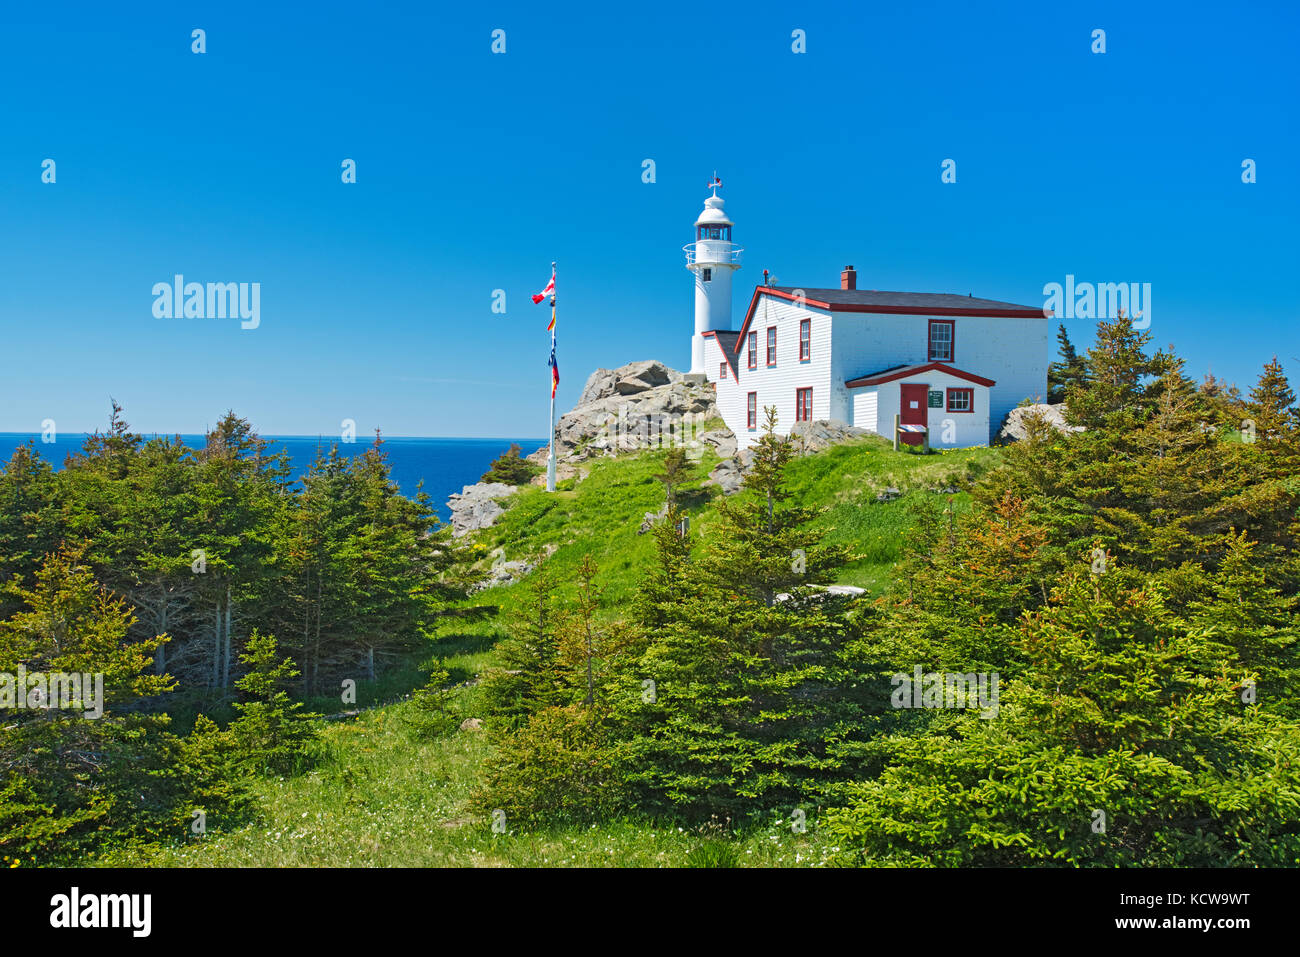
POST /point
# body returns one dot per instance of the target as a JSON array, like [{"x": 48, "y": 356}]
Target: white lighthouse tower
[{"x": 712, "y": 258}]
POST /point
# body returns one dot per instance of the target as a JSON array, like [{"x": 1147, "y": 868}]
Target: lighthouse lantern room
[{"x": 712, "y": 258}]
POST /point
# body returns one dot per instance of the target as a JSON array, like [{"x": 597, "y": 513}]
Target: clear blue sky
[{"x": 476, "y": 170}]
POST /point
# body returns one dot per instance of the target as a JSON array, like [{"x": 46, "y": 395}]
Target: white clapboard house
[{"x": 860, "y": 356}]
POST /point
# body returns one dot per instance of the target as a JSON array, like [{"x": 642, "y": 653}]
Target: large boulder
[
  {"x": 729, "y": 474},
  {"x": 627, "y": 380},
  {"x": 477, "y": 506},
  {"x": 721, "y": 441},
  {"x": 636, "y": 406},
  {"x": 822, "y": 434},
  {"x": 1018, "y": 422}
]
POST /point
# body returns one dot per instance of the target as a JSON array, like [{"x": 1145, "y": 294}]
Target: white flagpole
[{"x": 550, "y": 456}]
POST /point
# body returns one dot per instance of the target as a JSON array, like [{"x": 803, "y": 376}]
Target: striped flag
[{"x": 555, "y": 368}]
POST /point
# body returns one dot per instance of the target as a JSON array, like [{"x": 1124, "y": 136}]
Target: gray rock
[
  {"x": 563, "y": 470},
  {"x": 820, "y": 592},
  {"x": 477, "y": 506},
  {"x": 651, "y": 518},
  {"x": 729, "y": 474},
  {"x": 505, "y": 573},
  {"x": 888, "y": 495},
  {"x": 721, "y": 441},
  {"x": 845, "y": 590},
  {"x": 636, "y": 406},
  {"x": 1021, "y": 420},
  {"x": 627, "y": 380},
  {"x": 822, "y": 434},
  {"x": 502, "y": 572}
]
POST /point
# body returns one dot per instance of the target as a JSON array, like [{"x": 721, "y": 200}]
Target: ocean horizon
[{"x": 444, "y": 464}]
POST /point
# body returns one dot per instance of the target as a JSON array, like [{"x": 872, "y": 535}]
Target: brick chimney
[{"x": 849, "y": 278}]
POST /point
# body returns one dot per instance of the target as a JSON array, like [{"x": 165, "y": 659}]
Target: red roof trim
[
  {"x": 881, "y": 310},
  {"x": 753, "y": 305},
  {"x": 917, "y": 370}
]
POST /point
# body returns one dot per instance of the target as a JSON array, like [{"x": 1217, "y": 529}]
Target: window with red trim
[
  {"x": 753, "y": 350},
  {"x": 961, "y": 400},
  {"x": 751, "y": 411},
  {"x": 771, "y": 345},
  {"x": 805, "y": 340},
  {"x": 722, "y": 370},
  {"x": 803, "y": 405},
  {"x": 942, "y": 333}
]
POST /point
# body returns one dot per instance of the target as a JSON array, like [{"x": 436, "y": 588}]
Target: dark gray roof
[
  {"x": 915, "y": 300},
  {"x": 727, "y": 339},
  {"x": 727, "y": 342}
]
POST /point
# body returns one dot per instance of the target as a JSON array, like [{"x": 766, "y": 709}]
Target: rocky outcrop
[
  {"x": 1019, "y": 421},
  {"x": 631, "y": 379},
  {"x": 721, "y": 441},
  {"x": 729, "y": 474},
  {"x": 502, "y": 572},
  {"x": 821, "y": 435},
  {"x": 636, "y": 406},
  {"x": 477, "y": 506}
]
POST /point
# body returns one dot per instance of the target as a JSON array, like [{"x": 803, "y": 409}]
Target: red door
[{"x": 912, "y": 399}]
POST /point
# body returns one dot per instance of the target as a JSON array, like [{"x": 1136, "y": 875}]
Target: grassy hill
[{"x": 383, "y": 795}]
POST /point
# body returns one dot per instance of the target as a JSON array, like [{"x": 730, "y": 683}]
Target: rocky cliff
[{"x": 637, "y": 406}]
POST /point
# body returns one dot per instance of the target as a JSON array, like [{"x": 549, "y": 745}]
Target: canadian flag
[{"x": 548, "y": 291}]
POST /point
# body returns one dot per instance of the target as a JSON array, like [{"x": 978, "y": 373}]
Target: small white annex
[{"x": 953, "y": 363}]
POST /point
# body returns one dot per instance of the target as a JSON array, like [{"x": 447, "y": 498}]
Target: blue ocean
[{"x": 443, "y": 465}]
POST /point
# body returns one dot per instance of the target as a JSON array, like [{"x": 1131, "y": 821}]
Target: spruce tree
[
  {"x": 1067, "y": 370},
  {"x": 510, "y": 469},
  {"x": 744, "y": 666},
  {"x": 1272, "y": 406},
  {"x": 1124, "y": 741},
  {"x": 70, "y": 778},
  {"x": 30, "y": 523},
  {"x": 1117, "y": 372},
  {"x": 676, "y": 472},
  {"x": 533, "y": 675},
  {"x": 273, "y": 733}
]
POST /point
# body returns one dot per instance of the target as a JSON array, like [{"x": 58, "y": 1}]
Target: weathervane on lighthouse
[{"x": 713, "y": 257}]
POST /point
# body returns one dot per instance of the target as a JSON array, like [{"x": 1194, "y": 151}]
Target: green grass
[
  {"x": 846, "y": 480},
  {"x": 602, "y": 514},
  {"x": 386, "y": 798},
  {"x": 381, "y": 795}
]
